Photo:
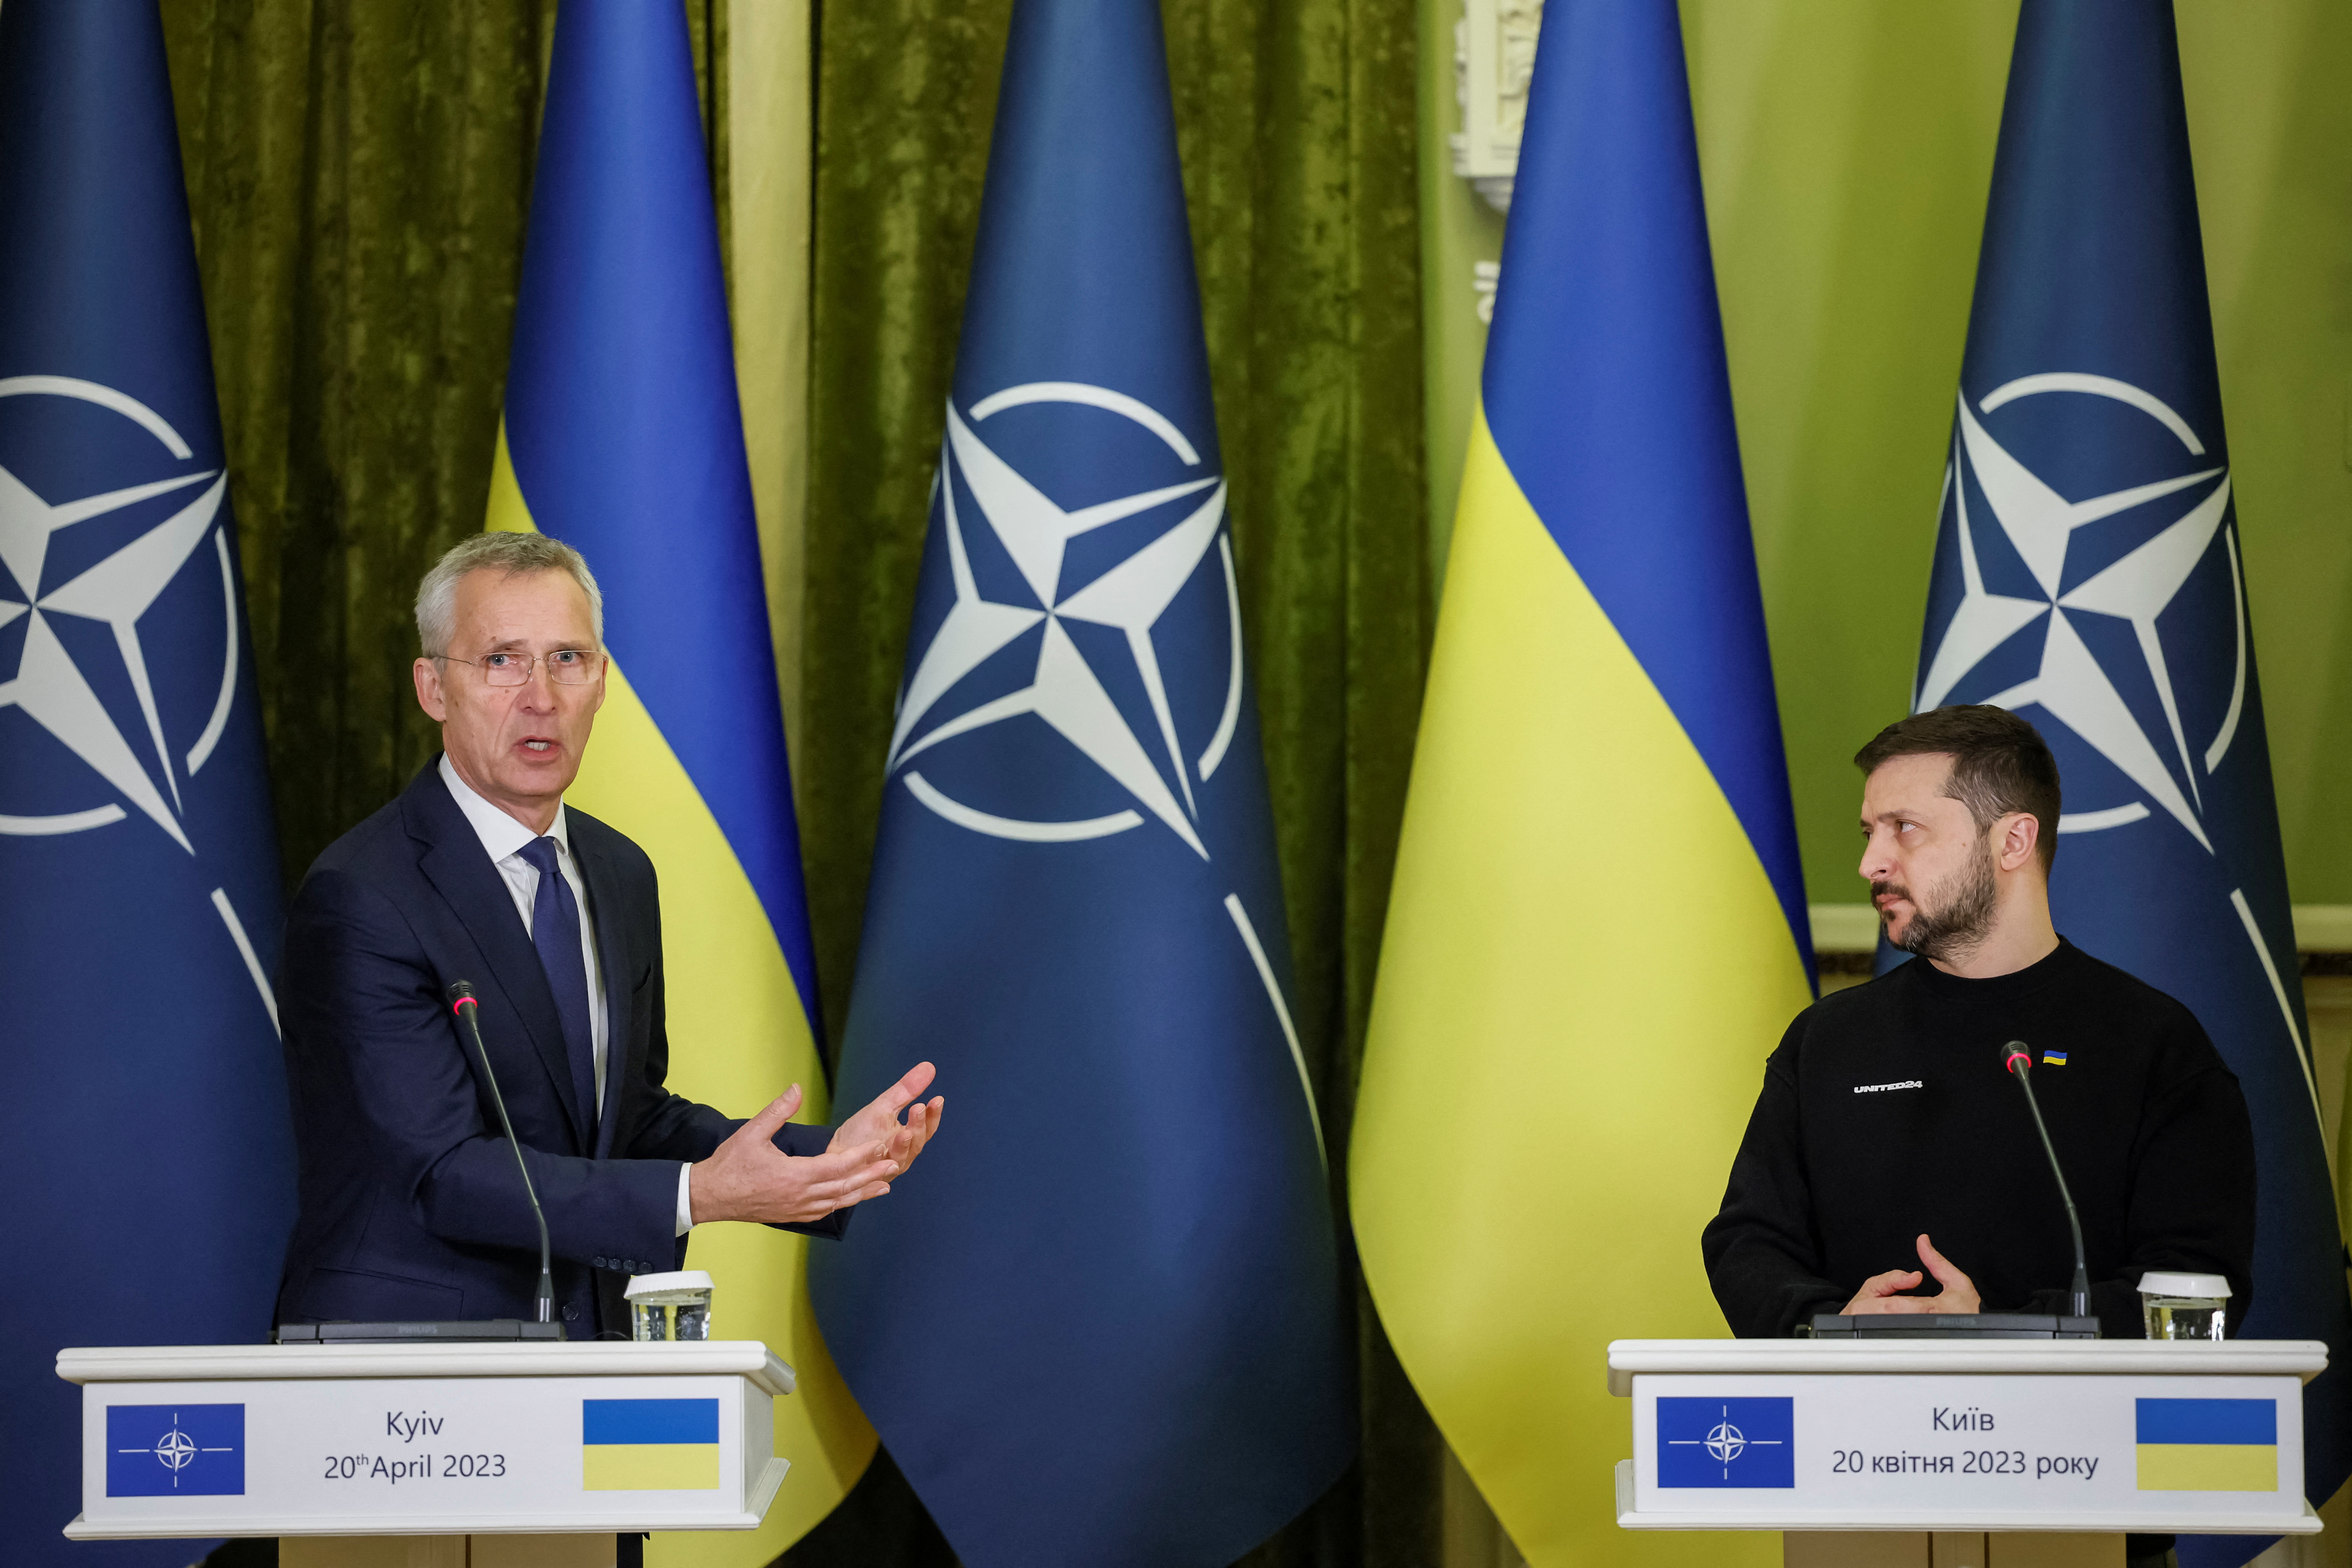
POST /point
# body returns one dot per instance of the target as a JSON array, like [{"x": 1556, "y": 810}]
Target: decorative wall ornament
[
  {"x": 1494, "y": 57},
  {"x": 1486, "y": 277}
]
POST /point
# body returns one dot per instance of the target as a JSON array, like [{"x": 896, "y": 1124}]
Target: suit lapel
[{"x": 452, "y": 858}]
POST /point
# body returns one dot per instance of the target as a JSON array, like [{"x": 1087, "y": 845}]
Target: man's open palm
[
  {"x": 749, "y": 1178},
  {"x": 879, "y": 1122}
]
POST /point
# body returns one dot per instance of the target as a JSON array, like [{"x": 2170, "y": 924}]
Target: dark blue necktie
[{"x": 555, "y": 932}]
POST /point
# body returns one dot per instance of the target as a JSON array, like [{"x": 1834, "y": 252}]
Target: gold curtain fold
[{"x": 772, "y": 129}]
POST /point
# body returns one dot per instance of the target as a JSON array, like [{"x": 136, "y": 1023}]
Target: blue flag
[
  {"x": 1102, "y": 1323},
  {"x": 146, "y": 1153},
  {"x": 2088, "y": 575}
]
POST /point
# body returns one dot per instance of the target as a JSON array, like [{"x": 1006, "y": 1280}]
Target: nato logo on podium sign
[
  {"x": 1726, "y": 1442},
  {"x": 175, "y": 1450}
]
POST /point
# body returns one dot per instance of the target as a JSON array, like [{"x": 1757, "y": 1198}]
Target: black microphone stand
[
  {"x": 462, "y": 1003},
  {"x": 2018, "y": 1058}
]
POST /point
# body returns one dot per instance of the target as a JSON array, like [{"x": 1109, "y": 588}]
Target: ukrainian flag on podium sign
[
  {"x": 624, "y": 438},
  {"x": 1597, "y": 928},
  {"x": 2207, "y": 1444},
  {"x": 648, "y": 1444}
]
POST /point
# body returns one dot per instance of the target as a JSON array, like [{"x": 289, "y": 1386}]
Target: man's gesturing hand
[
  {"x": 1878, "y": 1294},
  {"x": 881, "y": 1122},
  {"x": 748, "y": 1177}
]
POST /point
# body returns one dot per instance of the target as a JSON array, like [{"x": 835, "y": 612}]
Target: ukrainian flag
[
  {"x": 648, "y": 1444},
  {"x": 1597, "y": 930},
  {"x": 2207, "y": 1444},
  {"x": 623, "y": 438}
]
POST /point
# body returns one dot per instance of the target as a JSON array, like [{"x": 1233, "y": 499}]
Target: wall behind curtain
[
  {"x": 1847, "y": 151},
  {"x": 1295, "y": 126}
]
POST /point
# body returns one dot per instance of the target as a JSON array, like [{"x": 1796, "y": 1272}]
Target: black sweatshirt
[{"x": 1887, "y": 1112}]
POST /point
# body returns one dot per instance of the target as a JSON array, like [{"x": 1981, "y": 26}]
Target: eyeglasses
[{"x": 566, "y": 665}]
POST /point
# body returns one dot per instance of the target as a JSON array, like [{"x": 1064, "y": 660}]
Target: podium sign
[
  {"x": 426, "y": 1438},
  {"x": 2043, "y": 1435}
]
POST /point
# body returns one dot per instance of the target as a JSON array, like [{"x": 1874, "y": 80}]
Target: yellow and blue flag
[
  {"x": 1597, "y": 927},
  {"x": 622, "y": 437},
  {"x": 145, "y": 1143},
  {"x": 648, "y": 1444},
  {"x": 2207, "y": 1444}
]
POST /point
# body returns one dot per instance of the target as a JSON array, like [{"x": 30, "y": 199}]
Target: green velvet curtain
[{"x": 359, "y": 172}]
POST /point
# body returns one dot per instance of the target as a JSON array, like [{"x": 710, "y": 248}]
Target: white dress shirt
[{"x": 503, "y": 840}]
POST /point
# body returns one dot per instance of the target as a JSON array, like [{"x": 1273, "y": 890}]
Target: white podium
[
  {"x": 426, "y": 1439},
  {"x": 1985, "y": 1437}
]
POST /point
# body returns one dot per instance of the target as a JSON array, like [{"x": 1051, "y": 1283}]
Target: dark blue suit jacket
[{"x": 411, "y": 1205}]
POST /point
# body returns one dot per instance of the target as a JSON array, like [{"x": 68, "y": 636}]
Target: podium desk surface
[
  {"x": 2306, "y": 1359},
  {"x": 583, "y": 1358}
]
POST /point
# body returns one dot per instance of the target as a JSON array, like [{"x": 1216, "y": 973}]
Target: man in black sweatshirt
[{"x": 1891, "y": 1165}]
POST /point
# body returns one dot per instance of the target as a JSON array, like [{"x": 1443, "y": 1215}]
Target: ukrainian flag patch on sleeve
[
  {"x": 2207, "y": 1444},
  {"x": 649, "y": 1444}
]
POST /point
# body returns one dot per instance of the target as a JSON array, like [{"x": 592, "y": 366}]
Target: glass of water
[
  {"x": 2184, "y": 1306},
  {"x": 670, "y": 1306}
]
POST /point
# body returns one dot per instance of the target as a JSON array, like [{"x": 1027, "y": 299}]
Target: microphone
[
  {"x": 2018, "y": 1058},
  {"x": 462, "y": 1003}
]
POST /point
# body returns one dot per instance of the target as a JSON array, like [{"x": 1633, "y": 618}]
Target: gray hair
[{"x": 508, "y": 554}]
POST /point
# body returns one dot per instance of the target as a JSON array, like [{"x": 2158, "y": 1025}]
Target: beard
[{"x": 1953, "y": 920}]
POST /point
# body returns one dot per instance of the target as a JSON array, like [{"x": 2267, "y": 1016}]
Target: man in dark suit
[{"x": 411, "y": 1204}]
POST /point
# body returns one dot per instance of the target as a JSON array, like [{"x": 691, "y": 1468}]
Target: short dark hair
[{"x": 2000, "y": 764}]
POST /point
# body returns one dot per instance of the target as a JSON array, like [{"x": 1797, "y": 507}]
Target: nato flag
[
  {"x": 2088, "y": 575},
  {"x": 145, "y": 1154},
  {"x": 1102, "y": 1323}
]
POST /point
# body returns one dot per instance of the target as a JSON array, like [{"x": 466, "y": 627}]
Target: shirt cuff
[{"x": 684, "y": 1199}]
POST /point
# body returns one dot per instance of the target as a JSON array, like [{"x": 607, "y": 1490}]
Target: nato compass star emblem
[
  {"x": 127, "y": 752},
  {"x": 1150, "y": 762},
  {"x": 174, "y": 1449},
  {"x": 1066, "y": 691},
  {"x": 2072, "y": 686},
  {"x": 2156, "y": 752}
]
